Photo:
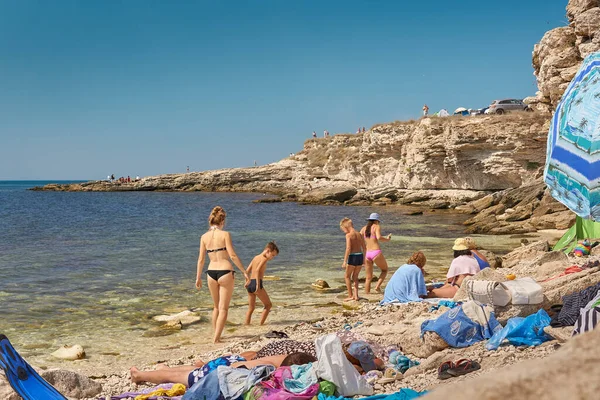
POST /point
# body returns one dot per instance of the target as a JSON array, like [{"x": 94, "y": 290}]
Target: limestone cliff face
[
  {"x": 560, "y": 52},
  {"x": 444, "y": 160}
]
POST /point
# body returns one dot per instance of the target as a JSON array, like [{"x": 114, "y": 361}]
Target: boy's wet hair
[
  {"x": 346, "y": 222},
  {"x": 298, "y": 359},
  {"x": 272, "y": 246}
]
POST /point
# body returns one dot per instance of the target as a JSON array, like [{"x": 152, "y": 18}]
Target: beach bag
[
  {"x": 488, "y": 292},
  {"x": 525, "y": 291}
]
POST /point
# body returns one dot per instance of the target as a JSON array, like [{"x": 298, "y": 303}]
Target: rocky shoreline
[
  {"x": 476, "y": 165},
  {"x": 399, "y": 326}
]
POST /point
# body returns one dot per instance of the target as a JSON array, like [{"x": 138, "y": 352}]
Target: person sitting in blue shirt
[{"x": 408, "y": 282}]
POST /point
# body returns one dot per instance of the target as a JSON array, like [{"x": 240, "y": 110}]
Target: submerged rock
[
  {"x": 75, "y": 352},
  {"x": 185, "y": 318}
]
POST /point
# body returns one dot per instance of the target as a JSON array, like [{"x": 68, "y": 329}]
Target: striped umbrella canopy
[{"x": 573, "y": 156}]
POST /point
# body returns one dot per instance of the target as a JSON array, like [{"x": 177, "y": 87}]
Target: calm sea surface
[{"x": 93, "y": 268}]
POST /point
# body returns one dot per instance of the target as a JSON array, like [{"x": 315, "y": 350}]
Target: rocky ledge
[{"x": 433, "y": 162}]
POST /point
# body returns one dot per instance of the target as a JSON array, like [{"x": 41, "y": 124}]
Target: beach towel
[
  {"x": 406, "y": 285},
  {"x": 464, "y": 325},
  {"x": 280, "y": 347},
  {"x": 234, "y": 382},
  {"x": 176, "y": 390},
  {"x": 333, "y": 366},
  {"x": 133, "y": 395},
  {"x": 302, "y": 377},
  {"x": 274, "y": 388},
  {"x": 402, "y": 394}
]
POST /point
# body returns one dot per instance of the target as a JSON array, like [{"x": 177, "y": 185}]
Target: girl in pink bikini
[{"x": 372, "y": 234}]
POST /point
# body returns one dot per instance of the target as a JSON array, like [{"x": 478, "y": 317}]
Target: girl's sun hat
[{"x": 374, "y": 217}]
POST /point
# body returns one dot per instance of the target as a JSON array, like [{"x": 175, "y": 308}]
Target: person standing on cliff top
[
  {"x": 425, "y": 110},
  {"x": 314, "y": 134}
]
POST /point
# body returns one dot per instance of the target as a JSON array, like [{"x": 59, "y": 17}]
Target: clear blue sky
[{"x": 143, "y": 87}]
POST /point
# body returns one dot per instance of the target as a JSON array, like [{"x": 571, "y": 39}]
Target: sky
[{"x": 145, "y": 87}]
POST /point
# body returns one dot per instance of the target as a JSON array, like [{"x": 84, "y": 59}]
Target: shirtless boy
[
  {"x": 254, "y": 286},
  {"x": 353, "y": 258}
]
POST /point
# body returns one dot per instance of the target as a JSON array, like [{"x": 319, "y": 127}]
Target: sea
[{"x": 93, "y": 268}]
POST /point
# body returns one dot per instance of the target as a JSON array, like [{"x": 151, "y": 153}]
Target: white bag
[
  {"x": 333, "y": 366},
  {"x": 488, "y": 292},
  {"x": 525, "y": 291}
]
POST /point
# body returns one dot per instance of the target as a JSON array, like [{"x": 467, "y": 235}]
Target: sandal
[
  {"x": 390, "y": 375},
  {"x": 443, "y": 370},
  {"x": 276, "y": 335},
  {"x": 463, "y": 367}
]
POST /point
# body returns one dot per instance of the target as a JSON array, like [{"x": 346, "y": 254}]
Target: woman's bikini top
[
  {"x": 214, "y": 228},
  {"x": 215, "y": 250}
]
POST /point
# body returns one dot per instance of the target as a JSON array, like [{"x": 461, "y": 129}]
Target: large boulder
[
  {"x": 72, "y": 384},
  {"x": 525, "y": 253},
  {"x": 332, "y": 193},
  {"x": 570, "y": 373},
  {"x": 69, "y": 383},
  {"x": 7, "y": 392}
]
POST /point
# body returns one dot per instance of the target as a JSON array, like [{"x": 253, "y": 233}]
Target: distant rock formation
[
  {"x": 434, "y": 162},
  {"x": 559, "y": 54}
]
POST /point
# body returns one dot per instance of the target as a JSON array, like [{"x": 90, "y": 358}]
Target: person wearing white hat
[
  {"x": 372, "y": 234},
  {"x": 463, "y": 265}
]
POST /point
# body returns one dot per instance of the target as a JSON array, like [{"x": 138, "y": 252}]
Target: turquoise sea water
[{"x": 93, "y": 268}]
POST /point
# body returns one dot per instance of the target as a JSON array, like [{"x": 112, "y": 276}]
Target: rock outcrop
[
  {"x": 435, "y": 162},
  {"x": 528, "y": 208},
  {"x": 575, "y": 366},
  {"x": 560, "y": 52}
]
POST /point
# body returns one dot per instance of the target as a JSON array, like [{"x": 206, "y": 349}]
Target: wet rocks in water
[
  {"x": 185, "y": 318},
  {"x": 75, "y": 352},
  {"x": 167, "y": 329},
  {"x": 320, "y": 284}
]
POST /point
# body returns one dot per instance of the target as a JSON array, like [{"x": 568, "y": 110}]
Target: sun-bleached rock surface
[
  {"x": 434, "y": 162},
  {"x": 560, "y": 52}
]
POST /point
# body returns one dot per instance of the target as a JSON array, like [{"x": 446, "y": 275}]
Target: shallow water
[{"x": 93, "y": 268}]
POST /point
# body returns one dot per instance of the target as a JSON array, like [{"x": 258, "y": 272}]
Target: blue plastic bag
[{"x": 527, "y": 331}]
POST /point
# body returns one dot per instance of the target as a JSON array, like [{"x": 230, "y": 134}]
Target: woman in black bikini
[{"x": 217, "y": 244}]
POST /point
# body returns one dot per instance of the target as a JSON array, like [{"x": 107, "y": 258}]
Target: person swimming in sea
[
  {"x": 353, "y": 257},
  {"x": 217, "y": 244},
  {"x": 372, "y": 234},
  {"x": 254, "y": 285}
]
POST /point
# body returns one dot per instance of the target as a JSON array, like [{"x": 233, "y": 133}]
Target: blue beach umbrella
[{"x": 573, "y": 156}]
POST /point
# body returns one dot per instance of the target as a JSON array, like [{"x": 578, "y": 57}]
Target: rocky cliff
[
  {"x": 437, "y": 162},
  {"x": 560, "y": 52}
]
